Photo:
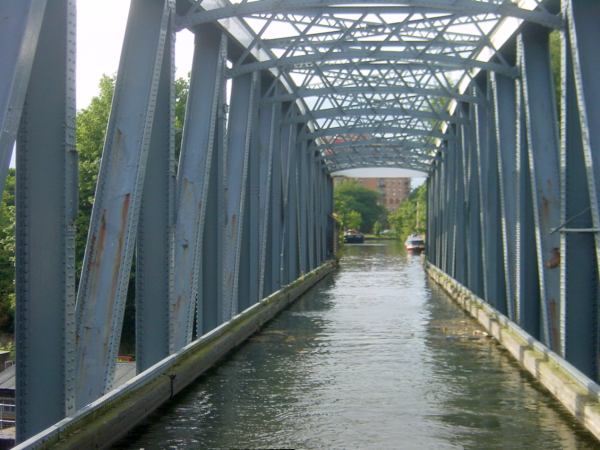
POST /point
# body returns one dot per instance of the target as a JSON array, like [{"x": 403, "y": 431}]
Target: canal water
[{"x": 373, "y": 357}]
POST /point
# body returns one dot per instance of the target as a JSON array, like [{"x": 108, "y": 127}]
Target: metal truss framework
[{"x": 461, "y": 89}]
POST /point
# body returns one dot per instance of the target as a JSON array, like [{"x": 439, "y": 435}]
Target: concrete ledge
[
  {"x": 579, "y": 394},
  {"x": 109, "y": 418}
]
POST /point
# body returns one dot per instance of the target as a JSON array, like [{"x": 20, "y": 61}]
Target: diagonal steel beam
[{"x": 110, "y": 244}]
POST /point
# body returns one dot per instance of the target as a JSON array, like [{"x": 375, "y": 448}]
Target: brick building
[{"x": 393, "y": 190}]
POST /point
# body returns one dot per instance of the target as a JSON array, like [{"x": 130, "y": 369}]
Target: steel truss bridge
[{"x": 283, "y": 93}]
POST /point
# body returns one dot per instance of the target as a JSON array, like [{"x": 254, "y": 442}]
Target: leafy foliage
[
  {"x": 351, "y": 197},
  {"x": 91, "y": 130},
  {"x": 411, "y": 216},
  {"x": 7, "y": 254}
]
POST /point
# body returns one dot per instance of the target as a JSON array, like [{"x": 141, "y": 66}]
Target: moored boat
[
  {"x": 415, "y": 243},
  {"x": 353, "y": 237}
]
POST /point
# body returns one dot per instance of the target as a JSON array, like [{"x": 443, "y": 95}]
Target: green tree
[
  {"x": 411, "y": 216},
  {"x": 354, "y": 220},
  {"x": 7, "y": 254},
  {"x": 350, "y": 195},
  {"x": 377, "y": 228}
]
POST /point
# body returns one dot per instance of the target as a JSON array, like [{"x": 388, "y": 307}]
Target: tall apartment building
[{"x": 393, "y": 190}]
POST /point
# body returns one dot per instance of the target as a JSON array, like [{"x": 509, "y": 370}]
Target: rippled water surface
[{"x": 374, "y": 357}]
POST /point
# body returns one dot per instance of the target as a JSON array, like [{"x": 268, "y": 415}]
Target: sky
[{"x": 100, "y": 30}]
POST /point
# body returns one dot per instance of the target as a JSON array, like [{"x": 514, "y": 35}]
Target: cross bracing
[{"x": 359, "y": 68}]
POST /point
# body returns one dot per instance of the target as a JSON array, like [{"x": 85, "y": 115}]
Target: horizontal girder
[
  {"x": 216, "y": 10},
  {"x": 369, "y": 130},
  {"x": 378, "y": 56},
  {"x": 362, "y": 91},
  {"x": 386, "y": 112}
]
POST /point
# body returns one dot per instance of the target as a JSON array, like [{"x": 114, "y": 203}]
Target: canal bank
[
  {"x": 577, "y": 393},
  {"x": 374, "y": 357},
  {"x": 104, "y": 421}
]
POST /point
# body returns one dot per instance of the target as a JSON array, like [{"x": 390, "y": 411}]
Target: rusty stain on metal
[
  {"x": 554, "y": 260},
  {"x": 117, "y": 262}
]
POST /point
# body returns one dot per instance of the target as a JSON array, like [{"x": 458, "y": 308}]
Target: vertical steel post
[
  {"x": 21, "y": 25},
  {"x": 582, "y": 28},
  {"x": 428, "y": 231},
  {"x": 443, "y": 205},
  {"x": 459, "y": 190},
  {"x": 474, "y": 253},
  {"x": 451, "y": 212},
  {"x": 436, "y": 215},
  {"x": 210, "y": 288},
  {"x": 110, "y": 245},
  {"x": 527, "y": 292},
  {"x": 45, "y": 233},
  {"x": 249, "y": 256},
  {"x": 269, "y": 114},
  {"x": 276, "y": 206},
  {"x": 287, "y": 148},
  {"x": 302, "y": 186},
  {"x": 242, "y": 115},
  {"x": 311, "y": 213},
  {"x": 292, "y": 209},
  {"x": 503, "y": 103},
  {"x": 579, "y": 290},
  {"x": 193, "y": 179},
  {"x": 154, "y": 259},
  {"x": 542, "y": 141},
  {"x": 489, "y": 202}
]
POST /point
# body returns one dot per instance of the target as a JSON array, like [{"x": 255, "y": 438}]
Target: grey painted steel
[
  {"x": 474, "y": 254},
  {"x": 45, "y": 230},
  {"x": 461, "y": 237},
  {"x": 21, "y": 25},
  {"x": 292, "y": 211},
  {"x": 249, "y": 270},
  {"x": 583, "y": 35},
  {"x": 242, "y": 114},
  {"x": 503, "y": 99},
  {"x": 154, "y": 252},
  {"x": 445, "y": 61},
  {"x": 527, "y": 290},
  {"x": 301, "y": 207},
  {"x": 286, "y": 145},
  {"x": 450, "y": 213},
  {"x": 193, "y": 179},
  {"x": 312, "y": 167},
  {"x": 110, "y": 245},
  {"x": 542, "y": 139},
  {"x": 357, "y": 6},
  {"x": 579, "y": 290},
  {"x": 276, "y": 216},
  {"x": 210, "y": 288},
  {"x": 383, "y": 111},
  {"x": 360, "y": 91},
  {"x": 490, "y": 203},
  {"x": 268, "y": 137}
]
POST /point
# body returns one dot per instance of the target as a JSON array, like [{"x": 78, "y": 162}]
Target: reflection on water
[{"x": 374, "y": 357}]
